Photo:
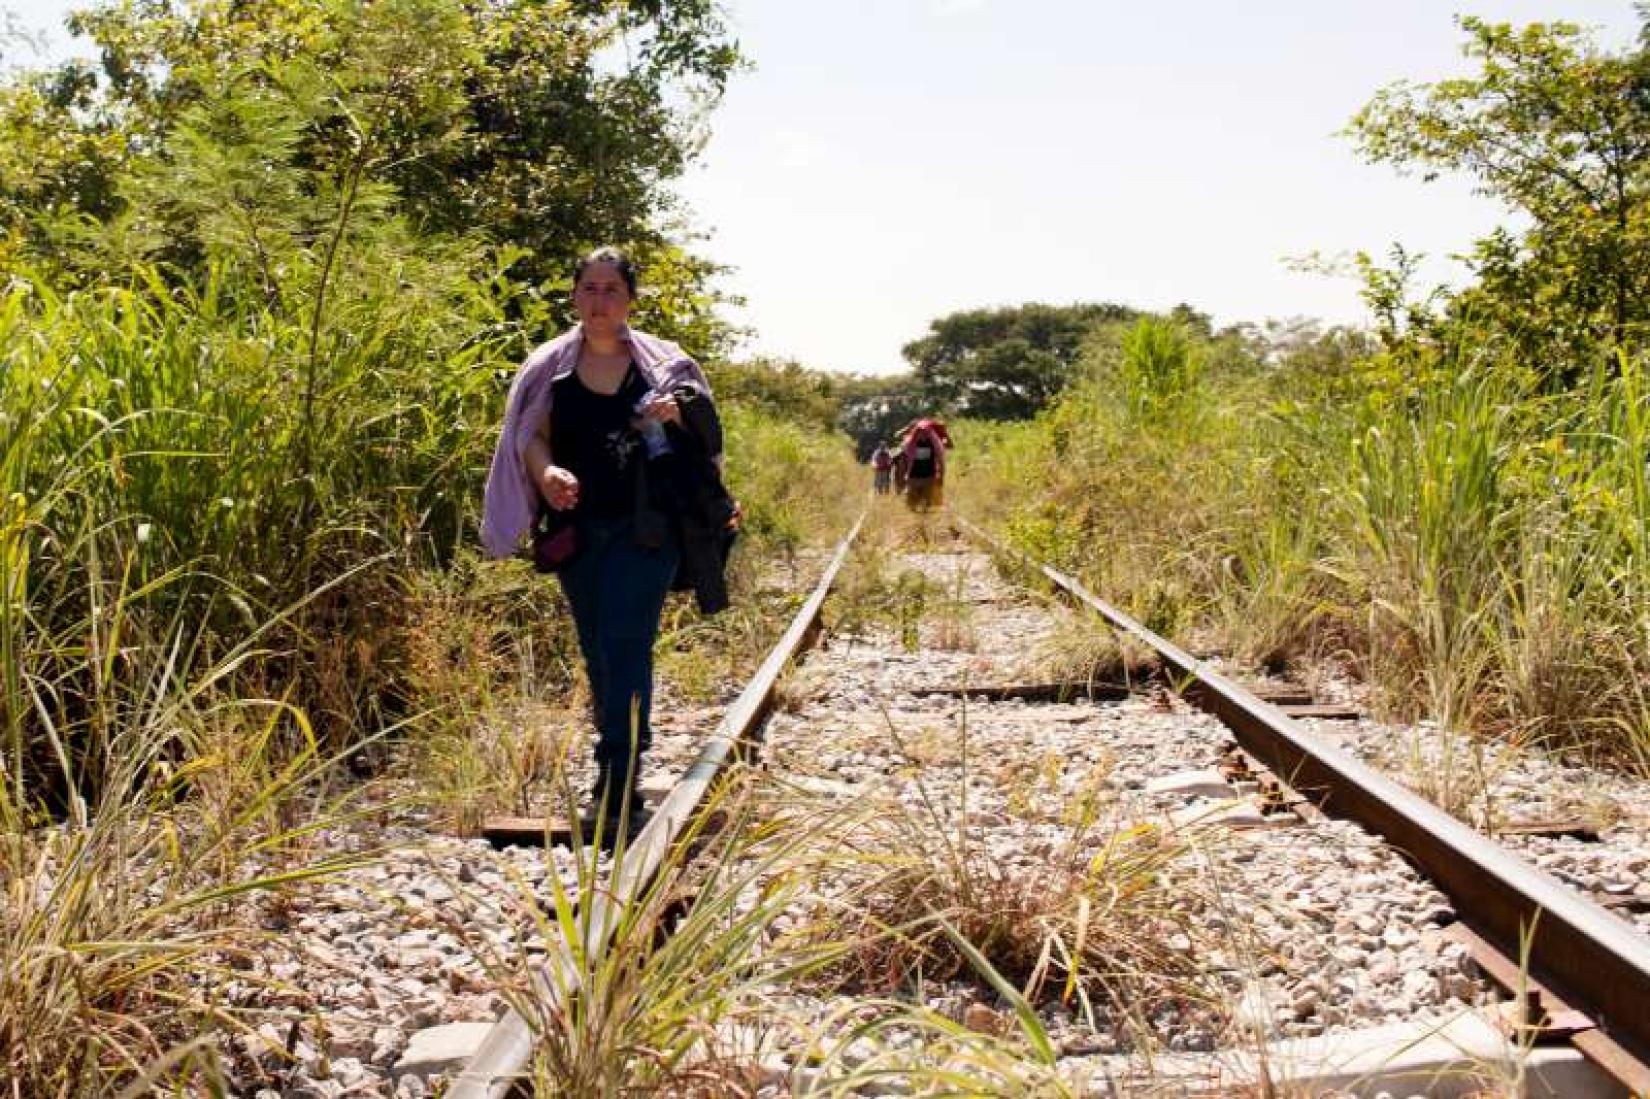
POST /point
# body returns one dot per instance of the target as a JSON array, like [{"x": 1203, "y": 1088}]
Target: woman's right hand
[{"x": 559, "y": 487}]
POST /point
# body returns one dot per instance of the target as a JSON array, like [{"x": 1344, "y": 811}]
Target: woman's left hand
[{"x": 663, "y": 410}]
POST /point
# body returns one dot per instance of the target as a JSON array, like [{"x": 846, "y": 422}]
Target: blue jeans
[{"x": 617, "y": 590}]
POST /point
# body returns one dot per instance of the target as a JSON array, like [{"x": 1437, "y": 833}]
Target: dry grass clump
[
  {"x": 1049, "y": 927},
  {"x": 120, "y": 931},
  {"x": 1035, "y": 791},
  {"x": 953, "y": 617},
  {"x": 875, "y": 591},
  {"x": 481, "y": 643},
  {"x": 1071, "y": 926},
  {"x": 870, "y": 593},
  {"x": 1102, "y": 918},
  {"x": 1081, "y": 649},
  {"x": 799, "y": 685},
  {"x": 1457, "y": 772},
  {"x": 477, "y": 632},
  {"x": 94, "y": 991},
  {"x": 700, "y": 658},
  {"x": 500, "y": 763}
]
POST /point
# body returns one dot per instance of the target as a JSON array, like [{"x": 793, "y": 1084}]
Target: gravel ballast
[{"x": 1306, "y": 928}]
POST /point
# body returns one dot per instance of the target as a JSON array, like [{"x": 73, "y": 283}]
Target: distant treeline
[
  {"x": 1012, "y": 362},
  {"x": 1551, "y": 125}
]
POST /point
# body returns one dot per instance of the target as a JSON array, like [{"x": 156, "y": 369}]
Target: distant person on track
[
  {"x": 882, "y": 466},
  {"x": 610, "y": 453},
  {"x": 924, "y": 443}
]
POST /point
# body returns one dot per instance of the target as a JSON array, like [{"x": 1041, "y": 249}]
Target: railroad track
[
  {"x": 1587, "y": 982},
  {"x": 1587, "y": 977},
  {"x": 499, "y": 1062}
]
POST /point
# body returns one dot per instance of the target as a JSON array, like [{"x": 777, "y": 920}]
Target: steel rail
[
  {"x": 505, "y": 1051},
  {"x": 1596, "y": 960}
]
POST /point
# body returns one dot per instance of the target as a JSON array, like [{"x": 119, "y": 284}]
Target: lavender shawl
[{"x": 511, "y": 499}]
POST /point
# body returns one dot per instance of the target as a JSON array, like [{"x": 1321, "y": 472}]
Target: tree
[
  {"x": 1007, "y": 363},
  {"x": 47, "y": 168},
  {"x": 1559, "y": 131},
  {"x": 782, "y": 387},
  {"x": 515, "y": 120},
  {"x": 873, "y": 408}
]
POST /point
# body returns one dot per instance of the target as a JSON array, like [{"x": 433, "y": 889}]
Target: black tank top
[
  {"x": 922, "y": 461},
  {"x": 591, "y": 436}
]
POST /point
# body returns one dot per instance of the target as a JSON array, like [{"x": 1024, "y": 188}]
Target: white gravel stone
[
  {"x": 440, "y": 1049},
  {"x": 1199, "y": 783}
]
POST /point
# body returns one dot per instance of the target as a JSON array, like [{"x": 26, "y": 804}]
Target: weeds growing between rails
[
  {"x": 1088, "y": 924},
  {"x": 723, "y": 997}
]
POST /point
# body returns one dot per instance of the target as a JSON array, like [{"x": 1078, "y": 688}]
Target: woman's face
[{"x": 602, "y": 298}]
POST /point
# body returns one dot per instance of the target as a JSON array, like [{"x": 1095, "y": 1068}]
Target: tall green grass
[
  {"x": 796, "y": 483},
  {"x": 215, "y": 593},
  {"x": 1472, "y": 546},
  {"x": 1167, "y": 507},
  {"x": 170, "y": 570},
  {"x": 1495, "y": 537},
  {"x": 1426, "y": 522},
  {"x": 159, "y": 443},
  {"x": 151, "y": 454}
]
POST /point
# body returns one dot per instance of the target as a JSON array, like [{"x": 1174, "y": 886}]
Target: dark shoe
[
  {"x": 607, "y": 824},
  {"x": 623, "y": 830},
  {"x": 613, "y": 818}
]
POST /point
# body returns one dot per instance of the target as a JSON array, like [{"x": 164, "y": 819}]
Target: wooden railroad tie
[
  {"x": 1297, "y": 702},
  {"x": 1575, "y": 829},
  {"x": 1033, "y": 692},
  {"x": 1322, "y": 711}
]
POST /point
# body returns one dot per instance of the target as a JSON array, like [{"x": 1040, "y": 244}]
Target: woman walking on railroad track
[{"x": 610, "y": 453}]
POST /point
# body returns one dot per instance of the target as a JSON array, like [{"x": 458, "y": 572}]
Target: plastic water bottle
[{"x": 652, "y": 431}]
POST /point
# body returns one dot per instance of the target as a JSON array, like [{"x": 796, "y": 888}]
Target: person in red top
[{"x": 923, "y": 446}]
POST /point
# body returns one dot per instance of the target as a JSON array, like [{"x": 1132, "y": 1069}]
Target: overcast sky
[{"x": 889, "y": 161}]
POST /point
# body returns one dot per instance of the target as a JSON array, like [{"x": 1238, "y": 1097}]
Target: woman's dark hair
[{"x": 606, "y": 254}]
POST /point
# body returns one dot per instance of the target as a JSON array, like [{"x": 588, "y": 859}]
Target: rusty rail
[
  {"x": 1589, "y": 956},
  {"x": 499, "y": 1062}
]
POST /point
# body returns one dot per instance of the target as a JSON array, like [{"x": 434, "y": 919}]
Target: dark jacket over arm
[{"x": 703, "y": 506}]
